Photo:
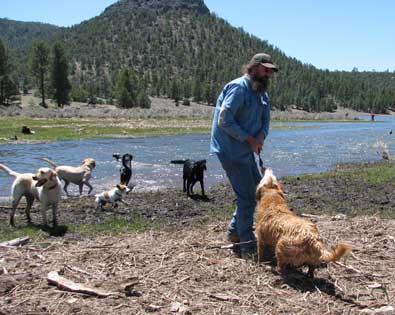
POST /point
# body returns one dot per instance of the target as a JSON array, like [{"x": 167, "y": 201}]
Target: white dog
[
  {"x": 79, "y": 175},
  {"x": 43, "y": 186},
  {"x": 112, "y": 196},
  {"x": 49, "y": 192}
]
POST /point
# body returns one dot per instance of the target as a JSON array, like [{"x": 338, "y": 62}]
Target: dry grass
[{"x": 178, "y": 272}]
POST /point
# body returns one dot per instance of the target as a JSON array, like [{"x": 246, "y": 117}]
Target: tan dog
[
  {"x": 49, "y": 192},
  {"x": 112, "y": 196},
  {"x": 23, "y": 186},
  {"x": 77, "y": 175},
  {"x": 43, "y": 186},
  {"x": 296, "y": 241}
]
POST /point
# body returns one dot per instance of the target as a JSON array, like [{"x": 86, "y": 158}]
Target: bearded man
[{"x": 240, "y": 127}]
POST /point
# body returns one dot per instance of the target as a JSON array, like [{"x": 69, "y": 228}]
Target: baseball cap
[{"x": 265, "y": 60}]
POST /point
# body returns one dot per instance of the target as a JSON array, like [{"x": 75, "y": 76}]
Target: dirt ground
[{"x": 178, "y": 267}]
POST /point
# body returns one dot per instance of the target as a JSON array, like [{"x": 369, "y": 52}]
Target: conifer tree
[
  {"x": 8, "y": 89},
  {"x": 3, "y": 71},
  {"x": 59, "y": 75},
  {"x": 124, "y": 92},
  {"x": 39, "y": 61}
]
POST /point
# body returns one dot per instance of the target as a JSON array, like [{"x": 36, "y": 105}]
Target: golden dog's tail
[
  {"x": 49, "y": 161},
  {"x": 336, "y": 253}
]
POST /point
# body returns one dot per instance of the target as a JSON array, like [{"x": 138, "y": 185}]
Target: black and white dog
[
  {"x": 193, "y": 172},
  {"x": 126, "y": 168}
]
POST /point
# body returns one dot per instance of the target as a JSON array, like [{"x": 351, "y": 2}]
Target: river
[{"x": 295, "y": 148}]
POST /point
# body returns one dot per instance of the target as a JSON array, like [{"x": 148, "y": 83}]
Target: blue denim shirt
[{"x": 240, "y": 112}]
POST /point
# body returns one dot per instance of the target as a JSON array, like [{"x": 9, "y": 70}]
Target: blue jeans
[{"x": 244, "y": 177}]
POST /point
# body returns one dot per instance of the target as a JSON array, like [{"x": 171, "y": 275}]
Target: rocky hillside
[{"x": 177, "y": 48}]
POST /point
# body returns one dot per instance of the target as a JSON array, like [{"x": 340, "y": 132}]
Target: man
[{"x": 240, "y": 127}]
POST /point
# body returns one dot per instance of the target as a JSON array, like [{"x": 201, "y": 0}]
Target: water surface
[{"x": 317, "y": 147}]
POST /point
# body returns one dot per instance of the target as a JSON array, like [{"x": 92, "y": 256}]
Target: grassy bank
[
  {"x": 60, "y": 129},
  {"x": 73, "y": 129}
]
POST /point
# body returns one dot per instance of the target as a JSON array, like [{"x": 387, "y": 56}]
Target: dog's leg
[
  {"x": 66, "y": 183},
  {"x": 189, "y": 190},
  {"x": 202, "y": 187},
  {"x": 15, "y": 203},
  {"x": 29, "y": 203},
  {"x": 184, "y": 188},
  {"x": 281, "y": 259},
  {"x": 81, "y": 186},
  {"x": 54, "y": 213},
  {"x": 100, "y": 205},
  {"x": 191, "y": 186},
  {"x": 90, "y": 187},
  {"x": 44, "y": 215},
  {"x": 259, "y": 247}
]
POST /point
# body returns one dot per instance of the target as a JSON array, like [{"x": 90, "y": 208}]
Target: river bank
[
  {"x": 80, "y": 121},
  {"x": 160, "y": 246}
]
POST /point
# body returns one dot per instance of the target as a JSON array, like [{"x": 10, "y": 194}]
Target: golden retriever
[
  {"x": 43, "y": 186},
  {"x": 296, "y": 241},
  {"x": 79, "y": 175}
]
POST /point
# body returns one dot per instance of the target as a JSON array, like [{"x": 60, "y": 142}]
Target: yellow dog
[{"x": 296, "y": 241}]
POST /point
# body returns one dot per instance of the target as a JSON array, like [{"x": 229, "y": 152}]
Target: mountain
[{"x": 177, "y": 48}]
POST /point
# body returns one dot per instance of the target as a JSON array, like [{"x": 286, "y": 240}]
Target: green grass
[
  {"x": 111, "y": 226},
  {"x": 75, "y": 129},
  {"x": 377, "y": 173}
]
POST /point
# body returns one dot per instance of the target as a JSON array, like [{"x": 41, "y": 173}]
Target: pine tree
[
  {"x": 39, "y": 61},
  {"x": 8, "y": 89},
  {"x": 124, "y": 92},
  {"x": 3, "y": 71},
  {"x": 59, "y": 75}
]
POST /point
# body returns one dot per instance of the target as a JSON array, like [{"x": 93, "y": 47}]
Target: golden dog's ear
[
  {"x": 119, "y": 186},
  {"x": 258, "y": 193}
]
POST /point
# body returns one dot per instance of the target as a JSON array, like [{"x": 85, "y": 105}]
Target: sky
[{"x": 333, "y": 35}]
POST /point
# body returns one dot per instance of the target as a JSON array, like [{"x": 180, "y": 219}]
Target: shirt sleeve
[
  {"x": 266, "y": 118},
  {"x": 232, "y": 102}
]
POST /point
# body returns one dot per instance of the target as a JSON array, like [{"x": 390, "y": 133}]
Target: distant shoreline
[{"x": 160, "y": 108}]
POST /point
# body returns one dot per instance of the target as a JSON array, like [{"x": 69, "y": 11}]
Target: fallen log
[
  {"x": 16, "y": 242},
  {"x": 69, "y": 285}
]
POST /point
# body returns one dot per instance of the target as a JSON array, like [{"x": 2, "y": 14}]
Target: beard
[{"x": 260, "y": 85}]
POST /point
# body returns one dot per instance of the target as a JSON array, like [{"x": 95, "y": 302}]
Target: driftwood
[
  {"x": 68, "y": 285},
  {"x": 16, "y": 242}
]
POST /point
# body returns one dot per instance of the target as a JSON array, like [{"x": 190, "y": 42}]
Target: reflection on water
[{"x": 288, "y": 152}]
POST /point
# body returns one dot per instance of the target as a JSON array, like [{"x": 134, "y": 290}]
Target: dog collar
[{"x": 52, "y": 187}]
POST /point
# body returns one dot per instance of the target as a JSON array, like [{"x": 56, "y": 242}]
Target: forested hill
[{"x": 177, "y": 48}]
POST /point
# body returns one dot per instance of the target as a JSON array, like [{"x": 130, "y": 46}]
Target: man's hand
[
  {"x": 260, "y": 137},
  {"x": 255, "y": 144}
]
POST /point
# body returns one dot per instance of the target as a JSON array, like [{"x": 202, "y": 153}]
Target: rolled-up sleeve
[{"x": 233, "y": 100}]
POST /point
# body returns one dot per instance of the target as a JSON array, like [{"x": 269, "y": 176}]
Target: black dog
[
  {"x": 126, "y": 169},
  {"x": 27, "y": 131},
  {"x": 193, "y": 172}
]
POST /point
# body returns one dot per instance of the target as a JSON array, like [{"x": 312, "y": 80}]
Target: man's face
[{"x": 264, "y": 72}]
